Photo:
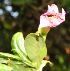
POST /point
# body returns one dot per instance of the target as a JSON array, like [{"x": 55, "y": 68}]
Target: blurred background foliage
[{"x": 24, "y": 15}]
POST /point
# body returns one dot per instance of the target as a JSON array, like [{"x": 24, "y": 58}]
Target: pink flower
[{"x": 52, "y": 17}]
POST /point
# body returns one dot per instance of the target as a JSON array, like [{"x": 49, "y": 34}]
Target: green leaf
[
  {"x": 7, "y": 55},
  {"x": 2, "y": 60},
  {"x": 4, "y": 67},
  {"x": 35, "y": 48},
  {"x": 19, "y": 67},
  {"x": 15, "y": 66},
  {"x": 17, "y": 44}
]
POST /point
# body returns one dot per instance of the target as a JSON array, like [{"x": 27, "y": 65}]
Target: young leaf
[
  {"x": 35, "y": 48},
  {"x": 18, "y": 48},
  {"x": 18, "y": 40}
]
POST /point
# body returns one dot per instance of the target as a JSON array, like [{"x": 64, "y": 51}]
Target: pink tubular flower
[{"x": 52, "y": 17}]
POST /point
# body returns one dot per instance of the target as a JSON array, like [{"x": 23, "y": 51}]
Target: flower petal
[
  {"x": 52, "y": 17},
  {"x": 52, "y": 8},
  {"x": 63, "y": 14},
  {"x": 44, "y": 20}
]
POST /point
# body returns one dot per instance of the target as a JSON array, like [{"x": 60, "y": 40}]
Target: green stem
[{"x": 43, "y": 32}]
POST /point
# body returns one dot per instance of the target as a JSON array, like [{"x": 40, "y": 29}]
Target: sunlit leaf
[
  {"x": 7, "y": 55},
  {"x": 35, "y": 48},
  {"x": 4, "y": 67},
  {"x": 2, "y": 60},
  {"x": 19, "y": 67},
  {"x": 18, "y": 48}
]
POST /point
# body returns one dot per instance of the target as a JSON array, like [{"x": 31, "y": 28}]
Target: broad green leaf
[
  {"x": 35, "y": 48},
  {"x": 17, "y": 44}
]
